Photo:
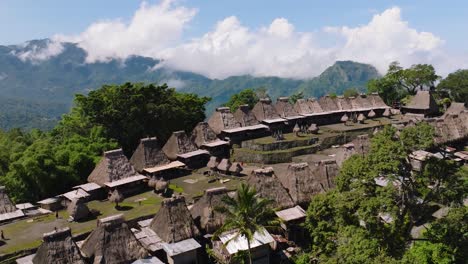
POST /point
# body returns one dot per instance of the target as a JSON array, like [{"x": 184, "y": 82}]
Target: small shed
[
  {"x": 167, "y": 171},
  {"x": 195, "y": 159},
  {"x": 68, "y": 197},
  {"x": 52, "y": 204},
  {"x": 95, "y": 191},
  {"x": 292, "y": 219},
  {"x": 182, "y": 252},
  {"x": 423, "y": 103}
]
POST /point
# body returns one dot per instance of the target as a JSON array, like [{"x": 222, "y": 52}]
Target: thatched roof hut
[
  {"x": 245, "y": 116},
  {"x": 284, "y": 108},
  {"x": 377, "y": 101},
  {"x": 213, "y": 163},
  {"x": 224, "y": 165},
  {"x": 178, "y": 143},
  {"x": 269, "y": 186},
  {"x": 313, "y": 128},
  {"x": 344, "y": 118},
  {"x": 302, "y": 107},
  {"x": 204, "y": 210},
  {"x": 387, "y": 112},
  {"x": 112, "y": 167},
  {"x": 173, "y": 222},
  {"x": 314, "y": 105},
  {"x": 6, "y": 205},
  {"x": 202, "y": 133},
  {"x": 236, "y": 168},
  {"x": 361, "y": 118},
  {"x": 116, "y": 196},
  {"x": 422, "y": 103},
  {"x": 328, "y": 104},
  {"x": 264, "y": 110},
  {"x": 296, "y": 128},
  {"x": 112, "y": 241},
  {"x": 222, "y": 119},
  {"x": 78, "y": 210},
  {"x": 371, "y": 114},
  {"x": 343, "y": 103},
  {"x": 455, "y": 109},
  {"x": 58, "y": 247},
  {"x": 301, "y": 183},
  {"x": 148, "y": 154}
]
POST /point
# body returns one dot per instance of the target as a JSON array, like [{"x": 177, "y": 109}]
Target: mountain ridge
[{"x": 53, "y": 82}]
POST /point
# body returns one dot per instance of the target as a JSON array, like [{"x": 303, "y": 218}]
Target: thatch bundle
[
  {"x": 58, "y": 247},
  {"x": 148, "y": 154},
  {"x": 313, "y": 128},
  {"x": 6, "y": 205},
  {"x": 314, "y": 105},
  {"x": 202, "y": 133},
  {"x": 387, "y": 112},
  {"x": 264, "y": 110},
  {"x": 361, "y": 118},
  {"x": 328, "y": 104},
  {"x": 222, "y": 119},
  {"x": 112, "y": 242},
  {"x": 284, "y": 108},
  {"x": 371, "y": 114},
  {"x": 302, "y": 107},
  {"x": 112, "y": 167},
  {"x": 78, "y": 210},
  {"x": 204, "y": 210},
  {"x": 269, "y": 186},
  {"x": 245, "y": 116},
  {"x": 213, "y": 163},
  {"x": 173, "y": 222},
  {"x": 296, "y": 129},
  {"x": 301, "y": 183},
  {"x": 344, "y": 118},
  {"x": 178, "y": 143},
  {"x": 224, "y": 165},
  {"x": 236, "y": 168}
]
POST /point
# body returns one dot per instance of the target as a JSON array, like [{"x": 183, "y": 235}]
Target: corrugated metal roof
[
  {"x": 151, "y": 260},
  {"x": 12, "y": 215},
  {"x": 240, "y": 243},
  {"x": 246, "y": 128},
  {"x": 290, "y": 214},
  {"x": 75, "y": 194},
  {"x": 90, "y": 186},
  {"x": 26, "y": 260},
  {"x": 24, "y": 206},
  {"x": 180, "y": 247},
  {"x": 49, "y": 200},
  {"x": 193, "y": 154},
  {"x": 276, "y": 120},
  {"x": 149, "y": 239},
  {"x": 125, "y": 181},
  {"x": 172, "y": 165},
  {"x": 216, "y": 143}
]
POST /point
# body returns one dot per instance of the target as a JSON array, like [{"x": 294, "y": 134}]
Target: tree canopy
[
  {"x": 456, "y": 84},
  {"x": 247, "y": 96}
]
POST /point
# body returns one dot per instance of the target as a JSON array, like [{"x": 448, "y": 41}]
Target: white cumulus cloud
[{"x": 278, "y": 49}]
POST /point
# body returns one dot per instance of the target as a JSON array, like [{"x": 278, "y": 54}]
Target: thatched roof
[
  {"x": 313, "y": 128},
  {"x": 6, "y": 205},
  {"x": 148, "y": 154},
  {"x": 58, "y": 247},
  {"x": 376, "y": 101},
  {"x": 455, "y": 109},
  {"x": 236, "y": 168},
  {"x": 78, "y": 210},
  {"x": 202, "y": 133},
  {"x": 112, "y": 241},
  {"x": 325, "y": 172},
  {"x": 269, "y": 186},
  {"x": 264, "y": 110},
  {"x": 203, "y": 211},
  {"x": 301, "y": 182},
  {"x": 354, "y": 103},
  {"x": 224, "y": 165},
  {"x": 284, "y": 108},
  {"x": 371, "y": 114},
  {"x": 451, "y": 127},
  {"x": 222, "y": 119},
  {"x": 314, "y": 105},
  {"x": 344, "y": 118},
  {"x": 423, "y": 100},
  {"x": 387, "y": 112},
  {"x": 213, "y": 162},
  {"x": 328, "y": 104},
  {"x": 178, "y": 143},
  {"x": 302, "y": 107},
  {"x": 363, "y": 101},
  {"x": 173, "y": 222},
  {"x": 112, "y": 167},
  {"x": 361, "y": 117},
  {"x": 343, "y": 103},
  {"x": 245, "y": 116}
]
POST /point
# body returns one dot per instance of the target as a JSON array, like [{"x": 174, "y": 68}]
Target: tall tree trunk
[{"x": 248, "y": 251}]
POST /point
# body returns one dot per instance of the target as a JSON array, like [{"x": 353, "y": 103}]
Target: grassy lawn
[{"x": 27, "y": 233}]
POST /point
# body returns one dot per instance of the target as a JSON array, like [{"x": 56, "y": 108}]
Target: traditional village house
[
  {"x": 8, "y": 211},
  {"x": 222, "y": 119},
  {"x": 286, "y": 110},
  {"x": 224, "y": 166},
  {"x": 112, "y": 242},
  {"x": 114, "y": 171},
  {"x": 203, "y": 210},
  {"x": 360, "y": 145},
  {"x": 417, "y": 159},
  {"x": 180, "y": 147},
  {"x": 95, "y": 191},
  {"x": 361, "y": 118},
  {"x": 344, "y": 104},
  {"x": 302, "y": 107},
  {"x": 291, "y": 222},
  {"x": 266, "y": 113},
  {"x": 422, "y": 104},
  {"x": 245, "y": 116},
  {"x": 455, "y": 109},
  {"x": 451, "y": 128},
  {"x": 150, "y": 159},
  {"x": 230, "y": 243},
  {"x": 269, "y": 186},
  {"x": 58, "y": 247},
  {"x": 174, "y": 225},
  {"x": 78, "y": 210},
  {"x": 68, "y": 197},
  {"x": 51, "y": 204},
  {"x": 325, "y": 171},
  {"x": 205, "y": 138}
]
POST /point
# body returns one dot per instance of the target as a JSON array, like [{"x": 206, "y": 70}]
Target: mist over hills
[{"x": 35, "y": 93}]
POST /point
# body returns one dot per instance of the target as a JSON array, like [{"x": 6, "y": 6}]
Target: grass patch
[{"x": 176, "y": 188}]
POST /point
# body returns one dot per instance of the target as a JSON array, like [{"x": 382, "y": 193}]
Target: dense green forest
[{"x": 35, "y": 164}]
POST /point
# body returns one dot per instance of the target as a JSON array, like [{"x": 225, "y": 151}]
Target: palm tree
[{"x": 246, "y": 213}]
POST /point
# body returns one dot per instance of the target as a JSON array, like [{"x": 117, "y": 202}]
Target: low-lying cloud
[{"x": 230, "y": 48}]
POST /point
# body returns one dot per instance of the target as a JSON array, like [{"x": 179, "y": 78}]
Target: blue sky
[{"x": 446, "y": 21}]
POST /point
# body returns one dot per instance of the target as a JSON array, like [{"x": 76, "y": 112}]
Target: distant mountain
[{"x": 34, "y": 94}]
